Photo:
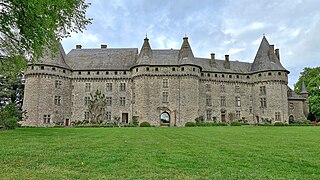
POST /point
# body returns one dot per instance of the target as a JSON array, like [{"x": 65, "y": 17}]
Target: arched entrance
[
  {"x": 165, "y": 119},
  {"x": 291, "y": 119}
]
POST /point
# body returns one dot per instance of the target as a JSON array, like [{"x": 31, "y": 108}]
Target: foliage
[
  {"x": 235, "y": 123},
  {"x": 8, "y": 116},
  {"x": 266, "y": 120},
  {"x": 311, "y": 78},
  {"x": 28, "y": 26},
  {"x": 11, "y": 86},
  {"x": 116, "y": 120},
  {"x": 300, "y": 122},
  {"x": 145, "y": 124},
  {"x": 199, "y": 119},
  {"x": 314, "y": 123},
  {"x": 211, "y": 124},
  {"x": 135, "y": 120},
  {"x": 190, "y": 124},
  {"x": 232, "y": 116},
  {"x": 279, "y": 124},
  {"x": 97, "y": 107}
]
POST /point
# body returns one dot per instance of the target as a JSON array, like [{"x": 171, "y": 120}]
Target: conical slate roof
[
  {"x": 185, "y": 54},
  {"x": 265, "y": 58},
  {"x": 303, "y": 88},
  {"x": 54, "y": 59},
  {"x": 145, "y": 52}
]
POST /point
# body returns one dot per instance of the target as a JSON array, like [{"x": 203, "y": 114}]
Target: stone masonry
[{"x": 151, "y": 82}]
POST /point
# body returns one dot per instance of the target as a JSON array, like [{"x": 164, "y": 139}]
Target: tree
[
  {"x": 8, "y": 116},
  {"x": 311, "y": 78},
  {"x": 28, "y": 26},
  {"x": 97, "y": 107}
]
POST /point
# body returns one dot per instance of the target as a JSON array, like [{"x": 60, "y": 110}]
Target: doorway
[
  {"x": 124, "y": 118},
  {"x": 223, "y": 116},
  {"x": 165, "y": 119},
  {"x": 67, "y": 122}
]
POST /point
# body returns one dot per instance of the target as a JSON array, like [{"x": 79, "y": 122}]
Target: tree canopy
[
  {"x": 311, "y": 78},
  {"x": 28, "y": 26}
]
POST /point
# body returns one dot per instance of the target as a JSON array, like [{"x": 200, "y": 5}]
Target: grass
[{"x": 161, "y": 153}]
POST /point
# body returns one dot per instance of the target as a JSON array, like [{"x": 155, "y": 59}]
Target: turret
[
  {"x": 304, "y": 93},
  {"x": 185, "y": 50}
]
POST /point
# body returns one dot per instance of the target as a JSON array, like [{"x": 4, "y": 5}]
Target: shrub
[
  {"x": 314, "y": 123},
  {"x": 135, "y": 120},
  {"x": 235, "y": 123},
  {"x": 9, "y": 116},
  {"x": 199, "y": 119},
  {"x": 279, "y": 124},
  {"x": 145, "y": 124},
  {"x": 190, "y": 124}
]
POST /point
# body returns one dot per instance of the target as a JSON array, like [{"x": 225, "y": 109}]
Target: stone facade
[{"x": 151, "y": 82}]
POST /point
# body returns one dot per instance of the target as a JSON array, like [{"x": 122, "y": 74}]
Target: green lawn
[{"x": 161, "y": 153}]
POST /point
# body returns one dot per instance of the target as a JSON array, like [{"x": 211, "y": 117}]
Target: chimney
[
  {"x": 212, "y": 60},
  {"x": 103, "y": 46},
  {"x": 78, "y": 46},
  {"x": 271, "y": 52},
  {"x": 277, "y": 53},
  {"x": 226, "y": 62}
]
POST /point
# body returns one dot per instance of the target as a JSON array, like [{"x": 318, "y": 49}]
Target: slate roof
[
  {"x": 264, "y": 60},
  {"x": 54, "y": 59},
  {"x": 292, "y": 95},
  {"x": 126, "y": 58},
  {"x": 104, "y": 58}
]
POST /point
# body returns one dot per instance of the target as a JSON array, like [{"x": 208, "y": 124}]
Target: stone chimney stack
[
  {"x": 226, "y": 62},
  {"x": 104, "y": 46},
  {"x": 212, "y": 60},
  {"x": 277, "y": 53},
  {"x": 271, "y": 52},
  {"x": 78, "y": 46}
]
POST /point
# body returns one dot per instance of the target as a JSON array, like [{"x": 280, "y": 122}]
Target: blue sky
[{"x": 233, "y": 27}]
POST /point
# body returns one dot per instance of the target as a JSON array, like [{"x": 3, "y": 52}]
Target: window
[
  {"x": 223, "y": 101},
  {"x": 237, "y": 89},
  {"x": 98, "y": 72},
  {"x": 109, "y": 101},
  {"x": 88, "y": 72},
  {"x": 86, "y": 115},
  {"x": 116, "y": 72},
  {"x": 215, "y": 75},
  {"x": 263, "y": 102},
  {"x": 209, "y": 115},
  {"x": 42, "y": 67},
  {"x": 222, "y": 88},
  {"x": 57, "y": 100},
  {"x": 108, "y": 115},
  {"x": 238, "y": 115},
  {"x": 157, "y": 69},
  {"x": 122, "y": 101},
  {"x": 147, "y": 68},
  {"x": 193, "y": 69},
  {"x": 88, "y": 87},
  {"x": 238, "y": 101},
  {"x": 86, "y": 101},
  {"x": 278, "y": 117},
  {"x": 201, "y": 74},
  {"x": 208, "y": 100},
  {"x": 53, "y": 69},
  {"x": 107, "y": 72},
  {"x": 250, "y": 110},
  {"x": 173, "y": 69},
  {"x": 222, "y": 75},
  {"x": 230, "y": 76},
  {"x": 137, "y": 70},
  {"x": 165, "y": 83},
  {"x": 125, "y": 72},
  {"x": 250, "y": 99},
  {"x": 79, "y": 72},
  {"x": 248, "y": 77},
  {"x": 291, "y": 106},
  {"x": 182, "y": 69},
  {"x": 263, "y": 90},
  {"x": 279, "y": 73},
  {"x": 208, "y": 87},
  {"x": 109, "y": 86},
  {"x": 46, "y": 118},
  {"x": 165, "y": 97},
  {"x": 64, "y": 71},
  {"x": 58, "y": 84},
  {"x": 122, "y": 86}
]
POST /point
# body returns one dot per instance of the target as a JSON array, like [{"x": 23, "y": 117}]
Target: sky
[{"x": 233, "y": 27}]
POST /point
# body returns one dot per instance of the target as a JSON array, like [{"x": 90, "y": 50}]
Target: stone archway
[
  {"x": 291, "y": 119},
  {"x": 165, "y": 119}
]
